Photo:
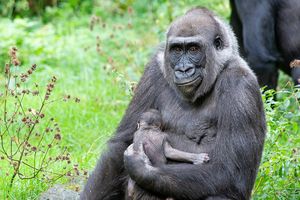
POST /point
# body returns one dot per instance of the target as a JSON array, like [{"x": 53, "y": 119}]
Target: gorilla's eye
[
  {"x": 218, "y": 43},
  {"x": 177, "y": 49},
  {"x": 194, "y": 49}
]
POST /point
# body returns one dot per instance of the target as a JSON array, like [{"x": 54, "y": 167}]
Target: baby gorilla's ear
[{"x": 159, "y": 125}]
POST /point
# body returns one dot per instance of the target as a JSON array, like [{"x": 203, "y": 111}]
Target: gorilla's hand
[{"x": 137, "y": 163}]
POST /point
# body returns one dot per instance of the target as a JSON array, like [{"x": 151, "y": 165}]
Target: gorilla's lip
[{"x": 190, "y": 82}]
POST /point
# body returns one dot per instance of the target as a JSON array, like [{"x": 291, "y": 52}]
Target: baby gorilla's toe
[{"x": 205, "y": 157}]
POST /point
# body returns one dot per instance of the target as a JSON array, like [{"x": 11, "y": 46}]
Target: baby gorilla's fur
[{"x": 150, "y": 138}]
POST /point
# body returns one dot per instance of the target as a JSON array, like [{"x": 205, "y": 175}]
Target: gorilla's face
[
  {"x": 195, "y": 53},
  {"x": 187, "y": 60}
]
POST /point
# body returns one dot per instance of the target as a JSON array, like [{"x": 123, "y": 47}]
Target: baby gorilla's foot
[{"x": 200, "y": 158}]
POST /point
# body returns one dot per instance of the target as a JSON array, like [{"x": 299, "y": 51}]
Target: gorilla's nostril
[
  {"x": 179, "y": 74},
  {"x": 190, "y": 71}
]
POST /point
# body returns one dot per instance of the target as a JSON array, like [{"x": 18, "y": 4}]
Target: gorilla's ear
[
  {"x": 218, "y": 42},
  {"x": 227, "y": 37}
]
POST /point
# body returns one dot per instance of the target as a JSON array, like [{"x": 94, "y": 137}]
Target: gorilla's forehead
[{"x": 188, "y": 26}]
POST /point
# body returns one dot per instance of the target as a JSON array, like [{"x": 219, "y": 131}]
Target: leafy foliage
[{"x": 279, "y": 171}]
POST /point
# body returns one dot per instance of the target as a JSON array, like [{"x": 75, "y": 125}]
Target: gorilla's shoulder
[
  {"x": 155, "y": 65},
  {"x": 153, "y": 74},
  {"x": 237, "y": 74}
]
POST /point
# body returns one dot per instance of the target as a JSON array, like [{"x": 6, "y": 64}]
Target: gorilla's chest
[{"x": 197, "y": 123}]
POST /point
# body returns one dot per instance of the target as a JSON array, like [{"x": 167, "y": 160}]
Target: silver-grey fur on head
[{"x": 216, "y": 59}]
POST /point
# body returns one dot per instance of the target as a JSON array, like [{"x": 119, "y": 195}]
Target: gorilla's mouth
[{"x": 197, "y": 80}]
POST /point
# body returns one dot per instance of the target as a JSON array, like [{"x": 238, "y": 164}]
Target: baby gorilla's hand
[{"x": 200, "y": 158}]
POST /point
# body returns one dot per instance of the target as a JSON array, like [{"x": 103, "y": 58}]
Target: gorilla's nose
[{"x": 184, "y": 72}]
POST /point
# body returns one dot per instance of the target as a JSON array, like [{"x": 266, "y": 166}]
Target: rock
[{"x": 58, "y": 192}]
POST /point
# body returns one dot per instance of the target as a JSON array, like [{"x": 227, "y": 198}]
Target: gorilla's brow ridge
[{"x": 196, "y": 38}]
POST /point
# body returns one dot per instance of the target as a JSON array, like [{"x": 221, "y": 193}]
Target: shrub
[
  {"x": 29, "y": 139},
  {"x": 278, "y": 176}
]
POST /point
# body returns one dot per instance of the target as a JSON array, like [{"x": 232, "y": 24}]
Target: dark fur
[
  {"x": 268, "y": 33},
  {"x": 225, "y": 112}
]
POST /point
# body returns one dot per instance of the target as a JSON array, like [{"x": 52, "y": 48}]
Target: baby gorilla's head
[{"x": 150, "y": 118}]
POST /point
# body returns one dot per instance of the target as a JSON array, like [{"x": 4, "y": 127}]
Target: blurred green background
[{"x": 98, "y": 49}]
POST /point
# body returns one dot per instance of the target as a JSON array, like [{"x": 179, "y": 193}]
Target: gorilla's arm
[
  {"x": 237, "y": 26},
  {"x": 234, "y": 158},
  {"x": 258, "y": 18},
  {"x": 253, "y": 19},
  {"x": 107, "y": 178}
]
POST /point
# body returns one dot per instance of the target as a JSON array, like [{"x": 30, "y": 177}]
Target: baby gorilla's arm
[{"x": 177, "y": 155}]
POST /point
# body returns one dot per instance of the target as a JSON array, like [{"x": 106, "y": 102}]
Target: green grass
[{"x": 61, "y": 43}]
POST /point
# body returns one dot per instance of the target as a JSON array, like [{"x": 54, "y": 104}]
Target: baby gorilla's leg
[{"x": 177, "y": 155}]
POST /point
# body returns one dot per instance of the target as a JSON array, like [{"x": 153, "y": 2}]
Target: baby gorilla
[{"x": 153, "y": 141}]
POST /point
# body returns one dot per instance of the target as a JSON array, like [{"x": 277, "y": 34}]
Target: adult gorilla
[
  {"x": 204, "y": 90},
  {"x": 268, "y": 34}
]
